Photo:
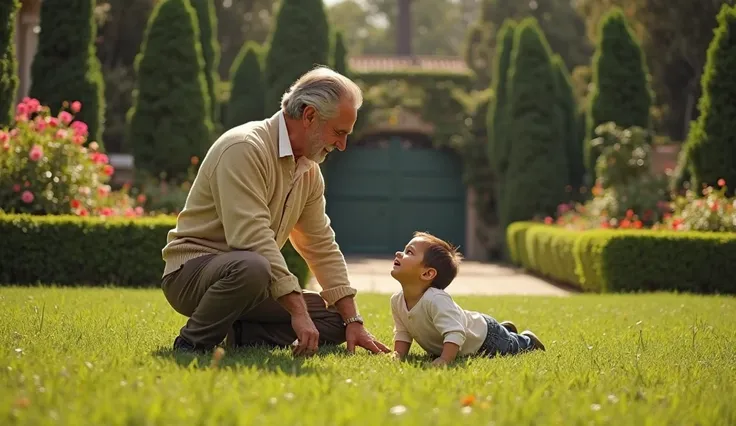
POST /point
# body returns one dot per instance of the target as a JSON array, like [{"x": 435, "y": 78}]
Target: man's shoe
[
  {"x": 510, "y": 326},
  {"x": 536, "y": 343},
  {"x": 181, "y": 345}
]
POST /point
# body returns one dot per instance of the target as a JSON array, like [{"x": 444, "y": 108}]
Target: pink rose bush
[{"x": 47, "y": 166}]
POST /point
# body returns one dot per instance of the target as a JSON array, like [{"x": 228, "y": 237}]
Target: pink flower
[
  {"x": 139, "y": 211},
  {"x": 21, "y": 109},
  {"x": 721, "y": 182},
  {"x": 106, "y": 211},
  {"x": 76, "y": 106},
  {"x": 40, "y": 125},
  {"x": 129, "y": 212},
  {"x": 65, "y": 117},
  {"x": 27, "y": 197},
  {"x": 36, "y": 153},
  {"x": 21, "y": 118},
  {"x": 13, "y": 133},
  {"x": 33, "y": 105},
  {"x": 103, "y": 190},
  {"x": 16, "y": 188},
  {"x": 60, "y": 134},
  {"x": 80, "y": 128},
  {"x": 78, "y": 139},
  {"x": 53, "y": 121},
  {"x": 108, "y": 170},
  {"x": 4, "y": 137},
  {"x": 99, "y": 158}
]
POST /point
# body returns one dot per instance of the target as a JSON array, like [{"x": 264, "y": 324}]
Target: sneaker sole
[
  {"x": 510, "y": 326},
  {"x": 536, "y": 343}
]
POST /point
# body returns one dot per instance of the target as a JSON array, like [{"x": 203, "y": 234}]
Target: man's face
[{"x": 325, "y": 135}]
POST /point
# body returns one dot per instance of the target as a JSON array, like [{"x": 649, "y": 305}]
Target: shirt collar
[{"x": 284, "y": 142}]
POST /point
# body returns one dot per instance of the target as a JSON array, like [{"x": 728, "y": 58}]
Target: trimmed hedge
[
  {"x": 70, "y": 251},
  {"x": 627, "y": 260}
]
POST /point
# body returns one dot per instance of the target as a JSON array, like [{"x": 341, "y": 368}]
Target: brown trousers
[{"x": 226, "y": 295}]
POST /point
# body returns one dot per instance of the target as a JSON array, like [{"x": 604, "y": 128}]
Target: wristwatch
[{"x": 357, "y": 318}]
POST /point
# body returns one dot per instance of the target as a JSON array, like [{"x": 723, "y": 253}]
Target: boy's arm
[
  {"x": 402, "y": 338},
  {"x": 447, "y": 318}
]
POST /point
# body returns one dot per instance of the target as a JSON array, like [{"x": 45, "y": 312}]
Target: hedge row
[
  {"x": 69, "y": 250},
  {"x": 627, "y": 260}
]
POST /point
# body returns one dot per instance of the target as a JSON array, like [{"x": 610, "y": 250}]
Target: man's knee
[{"x": 249, "y": 269}]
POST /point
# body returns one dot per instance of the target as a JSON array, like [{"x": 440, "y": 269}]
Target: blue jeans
[{"x": 500, "y": 341}]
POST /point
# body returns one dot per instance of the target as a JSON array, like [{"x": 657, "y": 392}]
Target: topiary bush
[
  {"x": 66, "y": 66},
  {"x": 169, "y": 121},
  {"x": 498, "y": 133},
  {"x": 568, "y": 116},
  {"x": 537, "y": 171},
  {"x": 247, "y": 91},
  {"x": 8, "y": 62},
  {"x": 299, "y": 41},
  {"x": 340, "y": 55},
  {"x": 207, "y": 20},
  {"x": 621, "y": 92},
  {"x": 711, "y": 146}
]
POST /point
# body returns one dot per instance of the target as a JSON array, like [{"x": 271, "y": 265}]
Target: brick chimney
[{"x": 404, "y": 28}]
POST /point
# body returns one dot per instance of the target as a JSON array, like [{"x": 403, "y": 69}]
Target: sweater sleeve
[
  {"x": 239, "y": 189},
  {"x": 314, "y": 239},
  {"x": 401, "y": 334},
  {"x": 447, "y": 318}
]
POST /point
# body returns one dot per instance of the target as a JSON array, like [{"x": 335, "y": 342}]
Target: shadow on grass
[{"x": 265, "y": 358}]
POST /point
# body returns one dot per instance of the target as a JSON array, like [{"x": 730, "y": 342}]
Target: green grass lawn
[{"x": 101, "y": 356}]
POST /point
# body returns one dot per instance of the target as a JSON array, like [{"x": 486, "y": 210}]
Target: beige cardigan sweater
[{"x": 246, "y": 197}]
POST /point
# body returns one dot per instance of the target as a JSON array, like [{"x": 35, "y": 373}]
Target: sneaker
[
  {"x": 510, "y": 326},
  {"x": 536, "y": 343}
]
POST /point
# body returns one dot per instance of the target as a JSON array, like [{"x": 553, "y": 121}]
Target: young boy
[{"x": 424, "y": 312}]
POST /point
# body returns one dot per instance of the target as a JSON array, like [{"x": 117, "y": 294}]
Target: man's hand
[
  {"x": 439, "y": 362},
  {"x": 357, "y": 335},
  {"x": 307, "y": 335}
]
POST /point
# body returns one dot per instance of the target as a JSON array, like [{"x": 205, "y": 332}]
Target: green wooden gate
[{"x": 378, "y": 194}]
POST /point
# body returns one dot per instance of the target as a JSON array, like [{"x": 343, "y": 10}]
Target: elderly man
[{"x": 259, "y": 184}]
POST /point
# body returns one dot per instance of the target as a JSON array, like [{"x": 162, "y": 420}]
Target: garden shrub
[
  {"x": 169, "y": 121},
  {"x": 247, "y": 91},
  {"x": 713, "y": 212},
  {"x": 605, "y": 260},
  {"x": 537, "y": 172},
  {"x": 46, "y": 169},
  {"x": 207, "y": 20},
  {"x": 66, "y": 66},
  {"x": 711, "y": 146},
  {"x": 340, "y": 55},
  {"x": 8, "y": 61},
  {"x": 620, "y": 89},
  {"x": 70, "y": 250}
]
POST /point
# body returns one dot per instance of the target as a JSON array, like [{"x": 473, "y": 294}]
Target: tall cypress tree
[
  {"x": 207, "y": 20},
  {"x": 340, "y": 55},
  {"x": 247, "y": 92},
  {"x": 711, "y": 144},
  {"x": 168, "y": 122},
  {"x": 537, "y": 170},
  {"x": 568, "y": 116},
  {"x": 8, "y": 62},
  {"x": 621, "y": 91},
  {"x": 299, "y": 42},
  {"x": 498, "y": 140},
  {"x": 66, "y": 68}
]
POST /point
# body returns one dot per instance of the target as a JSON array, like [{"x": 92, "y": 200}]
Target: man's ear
[{"x": 309, "y": 115}]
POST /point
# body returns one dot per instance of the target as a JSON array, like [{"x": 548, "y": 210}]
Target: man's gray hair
[{"x": 323, "y": 89}]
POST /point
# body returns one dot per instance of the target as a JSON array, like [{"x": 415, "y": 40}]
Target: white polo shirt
[{"x": 437, "y": 319}]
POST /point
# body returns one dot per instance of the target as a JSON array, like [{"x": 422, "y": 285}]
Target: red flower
[
  {"x": 75, "y": 204},
  {"x": 108, "y": 170},
  {"x": 721, "y": 182},
  {"x": 548, "y": 220},
  {"x": 27, "y": 197},
  {"x": 629, "y": 213},
  {"x": 76, "y": 106}
]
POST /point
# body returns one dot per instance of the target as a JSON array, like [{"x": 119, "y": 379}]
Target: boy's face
[{"x": 408, "y": 267}]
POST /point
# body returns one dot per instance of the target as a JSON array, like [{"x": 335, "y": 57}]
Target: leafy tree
[
  {"x": 66, "y": 68},
  {"x": 169, "y": 121},
  {"x": 300, "y": 41},
  {"x": 340, "y": 55}
]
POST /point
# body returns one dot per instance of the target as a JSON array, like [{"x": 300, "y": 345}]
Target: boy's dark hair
[{"x": 443, "y": 257}]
